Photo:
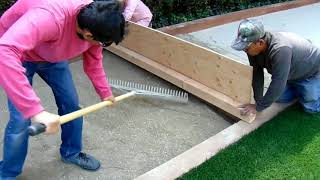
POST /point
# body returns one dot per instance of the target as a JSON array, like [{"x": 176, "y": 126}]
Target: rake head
[{"x": 150, "y": 91}]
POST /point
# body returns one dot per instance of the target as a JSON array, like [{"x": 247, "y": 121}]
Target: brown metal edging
[{"x": 205, "y": 23}]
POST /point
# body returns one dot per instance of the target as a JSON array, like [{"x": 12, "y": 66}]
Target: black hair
[
  {"x": 104, "y": 20},
  {"x": 121, "y": 4}
]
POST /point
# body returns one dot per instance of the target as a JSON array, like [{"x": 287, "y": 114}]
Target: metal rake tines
[{"x": 148, "y": 90}]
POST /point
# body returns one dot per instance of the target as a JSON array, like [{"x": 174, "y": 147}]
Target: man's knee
[
  {"x": 17, "y": 123},
  {"x": 68, "y": 107},
  {"x": 311, "y": 106},
  {"x": 309, "y": 90},
  {"x": 16, "y": 126},
  {"x": 310, "y": 96},
  {"x": 287, "y": 96},
  {"x": 285, "y": 99},
  {"x": 68, "y": 100}
]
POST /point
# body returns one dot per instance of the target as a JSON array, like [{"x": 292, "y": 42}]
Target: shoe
[{"x": 83, "y": 160}]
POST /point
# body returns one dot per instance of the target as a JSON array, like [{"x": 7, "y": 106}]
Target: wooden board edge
[
  {"x": 212, "y": 96},
  {"x": 176, "y": 39}
]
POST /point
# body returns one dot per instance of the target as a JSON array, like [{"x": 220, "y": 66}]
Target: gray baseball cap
[{"x": 248, "y": 31}]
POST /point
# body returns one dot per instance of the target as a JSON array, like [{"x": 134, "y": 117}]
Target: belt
[{"x": 40, "y": 62}]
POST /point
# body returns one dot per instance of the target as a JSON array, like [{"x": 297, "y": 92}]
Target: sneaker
[{"x": 83, "y": 160}]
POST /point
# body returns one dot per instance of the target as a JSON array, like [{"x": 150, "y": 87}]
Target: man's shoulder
[
  {"x": 63, "y": 6},
  {"x": 279, "y": 41}
]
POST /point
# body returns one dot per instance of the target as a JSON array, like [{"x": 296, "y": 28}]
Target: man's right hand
[{"x": 51, "y": 121}]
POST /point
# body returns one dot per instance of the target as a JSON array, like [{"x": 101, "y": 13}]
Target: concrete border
[
  {"x": 200, "y": 24},
  {"x": 195, "y": 156}
]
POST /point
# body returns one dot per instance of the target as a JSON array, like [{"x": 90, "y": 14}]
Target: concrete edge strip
[{"x": 198, "y": 154}]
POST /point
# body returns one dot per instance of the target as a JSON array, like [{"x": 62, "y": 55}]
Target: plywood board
[
  {"x": 210, "y": 95},
  {"x": 195, "y": 62}
]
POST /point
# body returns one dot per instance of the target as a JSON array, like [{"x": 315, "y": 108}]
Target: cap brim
[{"x": 239, "y": 45}]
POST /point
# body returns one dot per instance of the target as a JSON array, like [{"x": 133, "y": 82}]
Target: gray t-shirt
[{"x": 288, "y": 57}]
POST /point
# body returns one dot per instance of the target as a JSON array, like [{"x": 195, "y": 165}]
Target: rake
[
  {"x": 38, "y": 128},
  {"x": 150, "y": 91}
]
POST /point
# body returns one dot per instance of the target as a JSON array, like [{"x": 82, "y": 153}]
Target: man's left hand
[
  {"x": 247, "y": 109},
  {"x": 110, "y": 98}
]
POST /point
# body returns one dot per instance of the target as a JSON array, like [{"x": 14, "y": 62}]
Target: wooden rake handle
[{"x": 39, "y": 128}]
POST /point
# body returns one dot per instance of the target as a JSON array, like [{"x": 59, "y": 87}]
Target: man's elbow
[{"x": 10, "y": 56}]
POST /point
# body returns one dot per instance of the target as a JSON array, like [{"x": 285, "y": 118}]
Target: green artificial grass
[{"x": 287, "y": 147}]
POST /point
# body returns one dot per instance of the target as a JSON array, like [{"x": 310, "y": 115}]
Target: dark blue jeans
[
  {"x": 307, "y": 91},
  {"x": 15, "y": 146}
]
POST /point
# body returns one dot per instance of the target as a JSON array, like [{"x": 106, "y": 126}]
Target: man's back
[
  {"x": 304, "y": 57},
  {"x": 61, "y": 25}
]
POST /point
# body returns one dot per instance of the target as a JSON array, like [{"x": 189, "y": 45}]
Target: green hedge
[
  {"x": 168, "y": 12},
  {"x": 5, "y": 4}
]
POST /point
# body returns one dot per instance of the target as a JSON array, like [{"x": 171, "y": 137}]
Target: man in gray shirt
[{"x": 292, "y": 61}]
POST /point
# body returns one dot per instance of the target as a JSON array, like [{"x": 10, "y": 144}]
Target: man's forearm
[
  {"x": 258, "y": 84},
  {"x": 15, "y": 83},
  {"x": 274, "y": 91}
]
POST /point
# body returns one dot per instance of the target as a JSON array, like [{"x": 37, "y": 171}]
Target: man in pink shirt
[
  {"x": 37, "y": 36},
  {"x": 136, "y": 11}
]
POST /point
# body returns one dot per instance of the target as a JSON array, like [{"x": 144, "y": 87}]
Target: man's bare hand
[
  {"x": 110, "y": 98},
  {"x": 247, "y": 109},
  {"x": 51, "y": 121}
]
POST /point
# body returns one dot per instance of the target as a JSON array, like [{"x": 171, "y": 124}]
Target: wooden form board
[{"x": 213, "y": 77}]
